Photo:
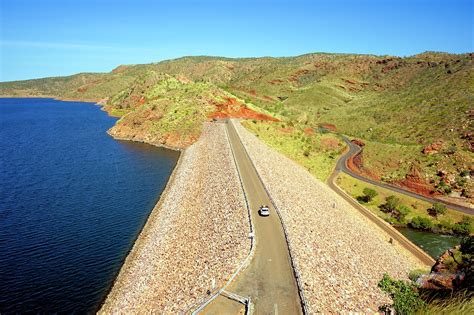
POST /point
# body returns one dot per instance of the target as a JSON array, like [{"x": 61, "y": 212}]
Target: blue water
[{"x": 72, "y": 202}]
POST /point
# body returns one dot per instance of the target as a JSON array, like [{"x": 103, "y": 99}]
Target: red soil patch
[
  {"x": 330, "y": 127},
  {"x": 330, "y": 143},
  {"x": 308, "y": 131},
  {"x": 268, "y": 98},
  {"x": 414, "y": 182},
  {"x": 142, "y": 100},
  {"x": 183, "y": 79},
  {"x": 356, "y": 164},
  {"x": 253, "y": 92},
  {"x": 175, "y": 140},
  {"x": 358, "y": 142},
  {"x": 276, "y": 81},
  {"x": 350, "y": 81},
  {"x": 232, "y": 108},
  {"x": 295, "y": 76},
  {"x": 433, "y": 148},
  {"x": 286, "y": 130}
]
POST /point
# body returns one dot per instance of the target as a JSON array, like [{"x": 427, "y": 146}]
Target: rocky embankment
[
  {"x": 341, "y": 255},
  {"x": 195, "y": 237}
]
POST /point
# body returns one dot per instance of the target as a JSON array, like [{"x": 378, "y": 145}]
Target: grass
[
  {"x": 460, "y": 304},
  {"x": 354, "y": 187},
  {"x": 316, "y": 152}
]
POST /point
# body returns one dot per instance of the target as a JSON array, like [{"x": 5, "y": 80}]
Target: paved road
[
  {"x": 354, "y": 149},
  {"x": 268, "y": 280}
]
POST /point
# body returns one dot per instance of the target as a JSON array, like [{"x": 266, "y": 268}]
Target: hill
[{"x": 414, "y": 114}]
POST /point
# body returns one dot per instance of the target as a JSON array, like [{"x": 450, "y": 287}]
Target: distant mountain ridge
[{"x": 414, "y": 113}]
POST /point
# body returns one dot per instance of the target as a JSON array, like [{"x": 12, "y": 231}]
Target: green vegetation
[
  {"x": 463, "y": 227},
  {"x": 437, "y": 209},
  {"x": 403, "y": 210},
  {"x": 421, "y": 223},
  {"x": 406, "y": 299},
  {"x": 315, "y": 151},
  {"x": 459, "y": 304},
  {"x": 413, "y": 113},
  {"x": 161, "y": 109},
  {"x": 369, "y": 194}
]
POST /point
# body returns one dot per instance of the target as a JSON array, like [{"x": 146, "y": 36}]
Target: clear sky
[{"x": 40, "y": 38}]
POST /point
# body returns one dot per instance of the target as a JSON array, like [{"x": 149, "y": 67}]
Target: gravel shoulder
[
  {"x": 340, "y": 254},
  {"x": 195, "y": 237}
]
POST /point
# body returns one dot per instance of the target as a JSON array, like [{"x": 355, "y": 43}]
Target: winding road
[
  {"x": 354, "y": 149},
  {"x": 269, "y": 280}
]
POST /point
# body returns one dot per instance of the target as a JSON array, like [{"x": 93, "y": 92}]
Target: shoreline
[
  {"x": 174, "y": 261},
  {"x": 65, "y": 99},
  {"x": 131, "y": 255}
]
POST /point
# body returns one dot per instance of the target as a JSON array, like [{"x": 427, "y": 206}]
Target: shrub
[
  {"x": 369, "y": 194},
  {"x": 445, "y": 225},
  {"x": 406, "y": 299},
  {"x": 401, "y": 212},
  {"x": 391, "y": 204},
  {"x": 443, "y": 187},
  {"x": 463, "y": 227},
  {"x": 421, "y": 223},
  {"x": 464, "y": 173},
  {"x": 437, "y": 209}
]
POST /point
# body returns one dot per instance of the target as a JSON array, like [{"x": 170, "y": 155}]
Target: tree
[
  {"x": 391, "y": 204},
  {"x": 437, "y": 209},
  {"x": 369, "y": 194}
]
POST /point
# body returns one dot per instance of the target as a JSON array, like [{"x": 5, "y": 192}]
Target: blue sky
[{"x": 40, "y": 38}]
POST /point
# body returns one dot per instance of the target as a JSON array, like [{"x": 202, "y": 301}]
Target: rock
[
  {"x": 440, "y": 281},
  {"x": 329, "y": 127},
  {"x": 446, "y": 274},
  {"x": 433, "y": 148},
  {"x": 358, "y": 142}
]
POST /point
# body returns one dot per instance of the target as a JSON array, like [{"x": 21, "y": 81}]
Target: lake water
[{"x": 72, "y": 202}]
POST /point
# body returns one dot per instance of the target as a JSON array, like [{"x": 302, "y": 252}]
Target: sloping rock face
[
  {"x": 340, "y": 254},
  {"x": 453, "y": 270},
  {"x": 415, "y": 182},
  {"x": 193, "y": 241}
]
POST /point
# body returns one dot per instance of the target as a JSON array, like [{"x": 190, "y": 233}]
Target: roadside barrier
[
  {"x": 244, "y": 300},
  {"x": 296, "y": 272},
  {"x": 387, "y": 228}
]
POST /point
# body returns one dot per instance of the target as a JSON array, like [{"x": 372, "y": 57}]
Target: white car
[{"x": 264, "y": 211}]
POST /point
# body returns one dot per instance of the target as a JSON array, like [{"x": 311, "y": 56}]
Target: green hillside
[{"x": 414, "y": 114}]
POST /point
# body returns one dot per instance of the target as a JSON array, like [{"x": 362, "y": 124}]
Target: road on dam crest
[{"x": 268, "y": 280}]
